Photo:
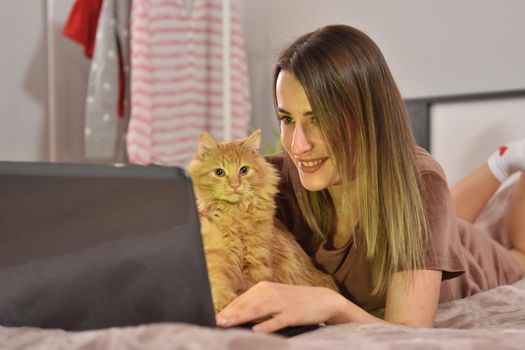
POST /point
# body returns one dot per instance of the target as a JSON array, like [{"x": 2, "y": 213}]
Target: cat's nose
[{"x": 235, "y": 185}]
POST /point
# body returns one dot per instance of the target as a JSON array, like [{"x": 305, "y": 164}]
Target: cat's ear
[
  {"x": 253, "y": 142},
  {"x": 206, "y": 144}
]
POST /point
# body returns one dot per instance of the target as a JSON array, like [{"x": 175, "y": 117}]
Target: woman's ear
[{"x": 253, "y": 142}]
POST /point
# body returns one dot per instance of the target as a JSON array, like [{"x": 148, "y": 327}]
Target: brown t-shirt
[{"x": 471, "y": 261}]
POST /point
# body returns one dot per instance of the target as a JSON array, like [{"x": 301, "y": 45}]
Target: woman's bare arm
[{"x": 409, "y": 303}]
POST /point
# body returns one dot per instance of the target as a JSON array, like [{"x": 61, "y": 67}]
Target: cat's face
[{"x": 229, "y": 171}]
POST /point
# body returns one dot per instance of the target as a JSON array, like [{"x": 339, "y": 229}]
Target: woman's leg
[
  {"x": 517, "y": 221},
  {"x": 472, "y": 193}
]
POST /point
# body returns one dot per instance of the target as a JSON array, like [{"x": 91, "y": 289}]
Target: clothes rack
[
  {"x": 51, "y": 86},
  {"x": 226, "y": 70}
]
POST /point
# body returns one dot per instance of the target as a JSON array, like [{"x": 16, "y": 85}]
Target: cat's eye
[
  {"x": 219, "y": 172},
  {"x": 243, "y": 170}
]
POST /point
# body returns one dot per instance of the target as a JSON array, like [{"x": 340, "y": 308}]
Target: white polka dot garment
[{"x": 105, "y": 131}]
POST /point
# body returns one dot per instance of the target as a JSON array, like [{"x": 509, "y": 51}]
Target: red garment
[{"x": 81, "y": 25}]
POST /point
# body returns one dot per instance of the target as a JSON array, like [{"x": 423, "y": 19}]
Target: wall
[
  {"x": 464, "y": 134},
  {"x": 23, "y": 83},
  {"x": 24, "y": 116},
  {"x": 433, "y": 48}
]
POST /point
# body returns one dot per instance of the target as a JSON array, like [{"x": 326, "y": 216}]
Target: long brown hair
[{"x": 363, "y": 120}]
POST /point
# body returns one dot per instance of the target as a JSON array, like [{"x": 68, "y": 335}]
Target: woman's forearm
[{"x": 347, "y": 312}]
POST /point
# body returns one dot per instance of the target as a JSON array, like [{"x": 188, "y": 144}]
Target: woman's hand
[
  {"x": 282, "y": 305},
  {"x": 410, "y": 302}
]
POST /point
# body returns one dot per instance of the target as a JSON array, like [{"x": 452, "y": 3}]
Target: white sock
[{"x": 507, "y": 160}]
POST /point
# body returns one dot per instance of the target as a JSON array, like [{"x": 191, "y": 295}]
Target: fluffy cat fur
[{"x": 243, "y": 242}]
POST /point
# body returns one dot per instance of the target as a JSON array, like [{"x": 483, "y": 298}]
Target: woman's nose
[{"x": 300, "y": 141}]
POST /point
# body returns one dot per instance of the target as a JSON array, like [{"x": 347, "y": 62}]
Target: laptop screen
[{"x": 87, "y": 246}]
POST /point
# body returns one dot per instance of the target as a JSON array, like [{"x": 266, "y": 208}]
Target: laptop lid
[{"x": 85, "y": 246}]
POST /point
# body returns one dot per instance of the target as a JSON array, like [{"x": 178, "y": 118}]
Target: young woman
[{"x": 367, "y": 204}]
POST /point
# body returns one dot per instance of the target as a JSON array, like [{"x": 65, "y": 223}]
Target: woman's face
[{"x": 301, "y": 137}]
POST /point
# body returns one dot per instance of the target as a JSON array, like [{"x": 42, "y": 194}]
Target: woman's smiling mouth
[{"x": 311, "y": 165}]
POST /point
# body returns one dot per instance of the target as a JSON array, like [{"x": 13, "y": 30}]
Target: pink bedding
[
  {"x": 493, "y": 319},
  {"x": 490, "y": 320}
]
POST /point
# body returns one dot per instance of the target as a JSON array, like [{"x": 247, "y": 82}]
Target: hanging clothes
[
  {"x": 176, "y": 81},
  {"x": 81, "y": 24},
  {"x": 108, "y": 86}
]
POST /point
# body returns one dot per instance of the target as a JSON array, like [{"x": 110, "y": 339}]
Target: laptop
[
  {"x": 92, "y": 246},
  {"x": 85, "y": 246}
]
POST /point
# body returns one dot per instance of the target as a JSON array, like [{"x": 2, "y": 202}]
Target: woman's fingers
[
  {"x": 277, "y": 306},
  {"x": 255, "y": 304},
  {"x": 273, "y": 324},
  {"x": 252, "y": 312}
]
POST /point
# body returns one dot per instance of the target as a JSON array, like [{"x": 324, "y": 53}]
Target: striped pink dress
[{"x": 176, "y": 79}]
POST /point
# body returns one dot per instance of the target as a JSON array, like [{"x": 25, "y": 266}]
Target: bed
[
  {"x": 490, "y": 320},
  {"x": 494, "y": 319}
]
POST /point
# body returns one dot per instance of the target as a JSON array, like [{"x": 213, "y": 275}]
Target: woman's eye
[
  {"x": 243, "y": 170},
  {"x": 219, "y": 172},
  {"x": 285, "y": 119},
  {"x": 314, "y": 121}
]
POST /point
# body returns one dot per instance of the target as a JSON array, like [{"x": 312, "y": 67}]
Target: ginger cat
[{"x": 243, "y": 243}]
